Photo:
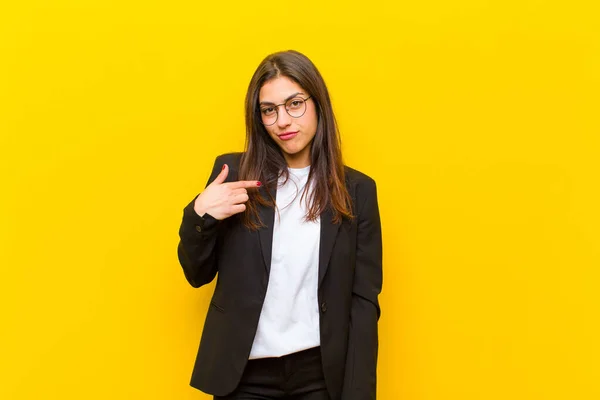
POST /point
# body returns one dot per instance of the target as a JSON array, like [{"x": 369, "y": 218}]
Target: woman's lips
[{"x": 288, "y": 135}]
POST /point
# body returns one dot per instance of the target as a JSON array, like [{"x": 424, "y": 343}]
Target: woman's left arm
[{"x": 361, "y": 362}]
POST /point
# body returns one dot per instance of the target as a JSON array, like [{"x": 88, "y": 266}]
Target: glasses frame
[{"x": 276, "y": 106}]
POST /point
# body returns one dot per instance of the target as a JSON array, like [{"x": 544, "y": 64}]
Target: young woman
[{"x": 295, "y": 238}]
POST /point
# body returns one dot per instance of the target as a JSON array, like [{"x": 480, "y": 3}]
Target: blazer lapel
[
  {"x": 329, "y": 232},
  {"x": 265, "y": 234}
]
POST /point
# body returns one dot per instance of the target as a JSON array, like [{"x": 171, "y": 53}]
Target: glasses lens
[
  {"x": 268, "y": 115},
  {"x": 296, "y": 107}
]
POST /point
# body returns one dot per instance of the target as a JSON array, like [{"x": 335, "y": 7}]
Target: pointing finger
[{"x": 244, "y": 184}]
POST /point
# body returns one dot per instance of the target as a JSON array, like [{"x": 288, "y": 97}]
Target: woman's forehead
[{"x": 279, "y": 89}]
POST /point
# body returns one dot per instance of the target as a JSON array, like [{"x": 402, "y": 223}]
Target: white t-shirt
[{"x": 289, "y": 320}]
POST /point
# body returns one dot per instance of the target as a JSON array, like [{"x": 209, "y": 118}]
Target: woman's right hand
[{"x": 222, "y": 200}]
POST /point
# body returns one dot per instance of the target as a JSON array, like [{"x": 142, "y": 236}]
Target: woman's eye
[{"x": 267, "y": 111}]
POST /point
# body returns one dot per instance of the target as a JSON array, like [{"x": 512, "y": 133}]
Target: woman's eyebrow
[{"x": 286, "y": 99}]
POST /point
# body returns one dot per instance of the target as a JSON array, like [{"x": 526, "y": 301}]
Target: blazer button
[
  {"x": 198, "y": 228},
  {"x": 324, "y": 307}
]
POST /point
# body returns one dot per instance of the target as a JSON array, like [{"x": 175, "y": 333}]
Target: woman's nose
[{"x": 283, "y": 118}]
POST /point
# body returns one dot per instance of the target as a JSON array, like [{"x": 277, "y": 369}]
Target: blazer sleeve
[
  {"x": 198, "y": 240},
  {"x": 361, "y": 360}
]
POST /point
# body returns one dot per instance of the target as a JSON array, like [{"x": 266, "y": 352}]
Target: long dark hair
[{"x": 263, "y": 159}]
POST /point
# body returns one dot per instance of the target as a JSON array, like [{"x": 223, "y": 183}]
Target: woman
[{"x": 295, "y": 237}]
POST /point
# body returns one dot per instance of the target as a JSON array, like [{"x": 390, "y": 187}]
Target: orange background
[{"x": 478, "y": 119}]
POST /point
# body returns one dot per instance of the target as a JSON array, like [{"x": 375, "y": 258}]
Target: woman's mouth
[{"x": 287, "y": 135}]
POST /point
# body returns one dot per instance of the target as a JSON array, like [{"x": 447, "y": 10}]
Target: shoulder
[
  {"x": 231, "y": 159},
  {"x": 363, "y": 190},
  {"x": 355, "y": 177},
  {"x": 361, "y": 186}
]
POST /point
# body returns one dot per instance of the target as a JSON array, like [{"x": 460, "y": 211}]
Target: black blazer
[{"x": 350, "y": 280}]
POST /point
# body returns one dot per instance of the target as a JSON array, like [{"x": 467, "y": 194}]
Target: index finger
[{"x": 244, "y": 184}]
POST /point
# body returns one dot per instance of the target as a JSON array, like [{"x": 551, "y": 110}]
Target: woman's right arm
[
  {"x": 201, "y": 222},
  {"x": 198, "y": 241}
]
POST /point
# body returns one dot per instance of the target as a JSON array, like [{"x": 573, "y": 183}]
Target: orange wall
[{"x": 478, "y": 119}]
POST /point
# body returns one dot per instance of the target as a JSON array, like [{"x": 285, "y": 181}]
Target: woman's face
[{"x": 293, "y": 135}]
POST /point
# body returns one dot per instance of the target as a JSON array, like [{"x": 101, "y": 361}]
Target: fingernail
[
  {"x": 258, "y": 183},
  {"x": 223, "y": 167}
]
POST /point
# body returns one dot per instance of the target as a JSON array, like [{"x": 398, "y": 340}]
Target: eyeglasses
[{"x": 295, "y": 107}]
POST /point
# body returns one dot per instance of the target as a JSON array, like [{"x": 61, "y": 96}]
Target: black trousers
[{"x": 297, "y": 376}]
